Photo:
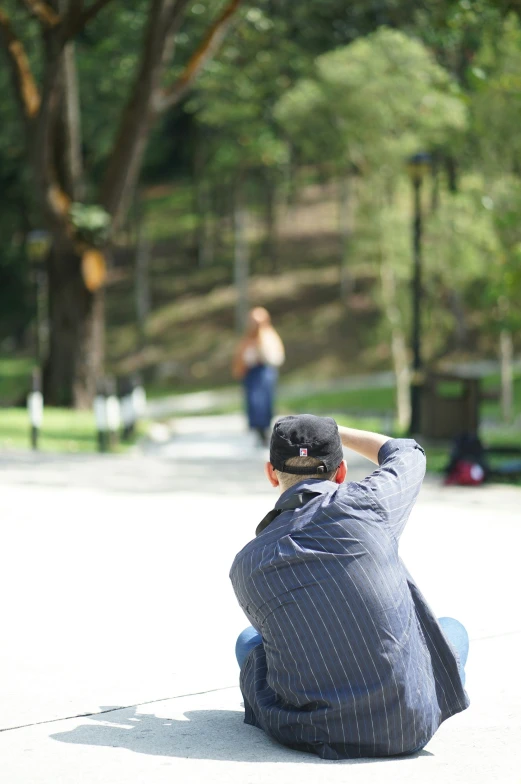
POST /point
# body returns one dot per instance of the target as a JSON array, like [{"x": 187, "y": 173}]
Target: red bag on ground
[{"x": 463, "y": 472}]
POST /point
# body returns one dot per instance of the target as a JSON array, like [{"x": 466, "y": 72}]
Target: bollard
[
  {"x": 35, "y": 407},
  {"x": 139, "y": 400},
  {"x": 128, "y": 413},
  {"x": 113, "y": 414},
  {"x": 100, "y": 415}
]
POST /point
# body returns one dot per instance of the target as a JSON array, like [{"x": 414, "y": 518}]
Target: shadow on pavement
[{"x": 203, "y": 734}]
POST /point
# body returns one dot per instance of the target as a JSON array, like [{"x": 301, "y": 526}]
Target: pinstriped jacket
[{"x": 353, "y": 662}]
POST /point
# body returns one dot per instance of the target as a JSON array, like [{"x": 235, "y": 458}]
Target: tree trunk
[
  {"x": 205, "y": 235},
  {"x": 71, "y": 119},
  {"x": 435, "y": 183},
  {"x": 452, "y": 173},
  {"x": 124, "y": 164},
  {"x": 270, "y": 241},
  {"x": 458, "y": 311},
  {"x": 403, "y": 378},
  {"x": 53, "y": 128},
  {"x": 345, "y": 228},
  {"x": 204, "y": 238},
  {"x": 241, "y": 260},
  {"x": 290, "y": 189},
  {"x": 142, "y": 278},
  {"x": 75, "y": 361},
  {"x": 506, "y": 356},
  {"x": 42, "y": 317},
  {"x": 398, "y": 347}
]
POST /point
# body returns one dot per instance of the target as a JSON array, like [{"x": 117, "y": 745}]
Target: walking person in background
[{"x": 256, "y": 359}]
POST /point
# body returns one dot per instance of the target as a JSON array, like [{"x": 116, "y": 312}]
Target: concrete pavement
[{"x": 114, "y": 574}]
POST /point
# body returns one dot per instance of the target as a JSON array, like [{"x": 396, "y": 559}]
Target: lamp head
[{"x": 419, "y": 165}]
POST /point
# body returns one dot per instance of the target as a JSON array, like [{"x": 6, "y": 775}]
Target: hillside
[{"x": 189, "y": 335}]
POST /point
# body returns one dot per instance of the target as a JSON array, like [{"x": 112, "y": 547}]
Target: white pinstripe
[
  {"x": 367, "y": 531},
  {"x": 366, "y": 645}
]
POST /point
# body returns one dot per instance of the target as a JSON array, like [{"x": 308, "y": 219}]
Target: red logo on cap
[{"x": 303, "y": 452}]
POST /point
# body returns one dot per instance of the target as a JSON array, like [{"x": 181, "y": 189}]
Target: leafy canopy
[{"x": 373, "y": 103}]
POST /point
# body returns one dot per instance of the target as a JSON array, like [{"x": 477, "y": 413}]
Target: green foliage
[
  {"x": 14, "y": 208},
  {"x": 234, "y": 99},
  {"x": 495, "y": 106},
  {"x": 62, "y": 430},
  {"x": 342, "y": 87},
  {"x": 107, "y": 55},
  {"x": 454, "y": 30},
  {"x": 503, "y": 279},
  {"x": 15, "y": 289},
  {"x": 461, "y": 243},
  {"x": 15, "y": 379},
  {"x": 373, "y": 103},
  {"x": 91, "y": 222},
  {"x": 496, "y": 100}
]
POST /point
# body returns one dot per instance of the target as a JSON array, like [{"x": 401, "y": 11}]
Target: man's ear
[
  {"x": 272, "y": 476},
  {"x": 341, "y": 473}
]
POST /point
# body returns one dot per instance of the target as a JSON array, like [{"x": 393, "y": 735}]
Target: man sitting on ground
[{"x": 344, "y": 657}]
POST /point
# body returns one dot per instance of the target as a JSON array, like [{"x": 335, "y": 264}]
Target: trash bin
[{"x": 449, "y": 406}]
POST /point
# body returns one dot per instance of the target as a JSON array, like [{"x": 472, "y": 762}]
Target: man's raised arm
[
  {"x": 396, "y": 483},
  {"x": 365, "y": 443}
]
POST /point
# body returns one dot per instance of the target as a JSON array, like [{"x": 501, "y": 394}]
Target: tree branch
[
  {"x": 173, "y": 23},
  {"x": 210, "y": 43},
  {"x": 43, "y": 12},
  {"x": 26, "y": 90},
  {"x": 79, "y": 22},
  {"x": 123, "y": 166},
  {"x": 71, "y": 120},
  {"x": 94, "y": 10},
  {"x": 44, "y": 138}
]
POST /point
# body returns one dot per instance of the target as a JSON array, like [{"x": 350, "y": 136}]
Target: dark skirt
[{"x": 259, "y": 386}]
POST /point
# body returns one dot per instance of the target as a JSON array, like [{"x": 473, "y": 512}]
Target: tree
[
  {"x": 503, "y": 281},
  {"x": 495, "y": 82},
  {"x": 368, "y": 107},
  {"x": 14, "y": 223},
  {"x": 373, "y": 103},
  {"x": 233, "y": 106},
  {"x": 48, "y": 93},
  {"x": 460, "y": 243}
]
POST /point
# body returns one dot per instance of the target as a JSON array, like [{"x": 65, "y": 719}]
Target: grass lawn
[
  {"x": 368, "y": 409},
  {"x": 371, "y": 409},
  {"x": 62, "y": 430},
  {"x": 377, "y": 400}
]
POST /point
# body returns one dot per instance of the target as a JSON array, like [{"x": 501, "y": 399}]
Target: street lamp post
[
  {"x": 419, "y": 165},
  {"x": 38, "y": 245}
]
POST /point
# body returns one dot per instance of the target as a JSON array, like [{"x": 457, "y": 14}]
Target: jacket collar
[
  {"x": 314, "y": 486},
  {"x": 295, "y": 498}
]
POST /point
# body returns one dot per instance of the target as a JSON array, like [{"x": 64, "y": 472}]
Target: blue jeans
[
  {"x": 246, "y": 642},
  {"x": 457, "y": 635},
  {"x": 453, "y": 630}
]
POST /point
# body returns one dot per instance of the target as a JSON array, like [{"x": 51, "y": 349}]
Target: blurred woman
[{"x": 257, "y": 357}]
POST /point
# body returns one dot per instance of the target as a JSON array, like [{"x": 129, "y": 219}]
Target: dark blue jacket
[{"x": 353, "y": 661}]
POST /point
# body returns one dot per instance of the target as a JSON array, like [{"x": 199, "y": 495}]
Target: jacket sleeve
[{"x": 395, "y": 485}]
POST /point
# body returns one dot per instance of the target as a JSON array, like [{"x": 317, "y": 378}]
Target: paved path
[
  {"x": 114, "y": 574},
  {"x": 201, "y": 402}
]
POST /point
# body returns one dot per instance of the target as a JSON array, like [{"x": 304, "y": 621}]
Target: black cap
[{"x": 306, "y": 436}]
